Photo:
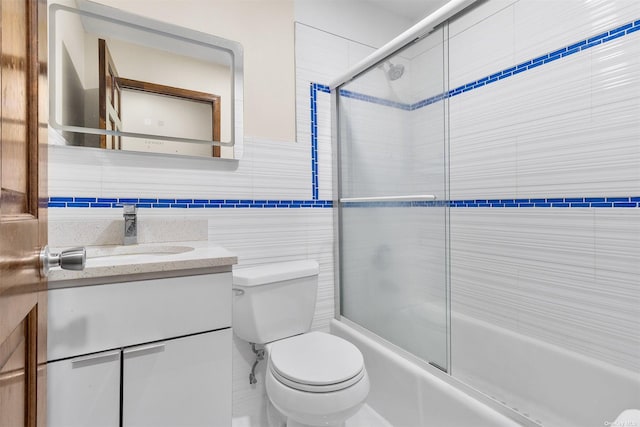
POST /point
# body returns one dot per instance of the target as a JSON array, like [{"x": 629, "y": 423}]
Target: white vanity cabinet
[
  {"x": 151, "y": 352},
  {"x": 84, "y": 391},
  {"x": 180, "y": 382}
]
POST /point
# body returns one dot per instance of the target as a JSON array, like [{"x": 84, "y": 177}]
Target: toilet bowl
[
  {"x": 316, "y": 379},
  {"x": 312, "y": 378}
]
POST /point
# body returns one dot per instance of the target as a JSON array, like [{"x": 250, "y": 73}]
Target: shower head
[{"x": 394, "y": 72}]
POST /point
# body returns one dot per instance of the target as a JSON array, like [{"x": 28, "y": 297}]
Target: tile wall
[{"x": 545, "y": 184}]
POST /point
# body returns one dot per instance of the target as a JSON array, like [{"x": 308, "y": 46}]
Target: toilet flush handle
[{"x": 238, "y": 291}]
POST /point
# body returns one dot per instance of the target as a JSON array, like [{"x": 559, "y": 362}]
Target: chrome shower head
[{"x": 395, "y": 71}]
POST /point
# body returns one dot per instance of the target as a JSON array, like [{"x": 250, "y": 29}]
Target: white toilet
[{"x": 312, "y": 378}]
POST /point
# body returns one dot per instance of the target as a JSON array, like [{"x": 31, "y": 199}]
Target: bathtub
[
  {"x": 561, "y": 388},
  {"x": 557, "y": 387},
  {"x": 409, "y": 395}
]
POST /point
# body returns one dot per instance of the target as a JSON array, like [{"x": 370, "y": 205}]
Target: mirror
[{"x": 124, "y": 82}]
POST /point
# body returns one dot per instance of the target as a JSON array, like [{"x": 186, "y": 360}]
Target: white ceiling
[{"x": 412, "y": 10}]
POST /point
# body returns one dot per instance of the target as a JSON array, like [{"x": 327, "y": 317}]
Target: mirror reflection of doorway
[{"x": 136, "y": 106}]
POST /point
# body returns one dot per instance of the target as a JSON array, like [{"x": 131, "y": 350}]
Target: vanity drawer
[{"x": 89, "y": 319}]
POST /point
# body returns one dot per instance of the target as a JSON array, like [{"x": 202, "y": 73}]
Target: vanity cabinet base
[
  {"x": 149, "y": 353},
  {"x": 180, "y": 382}
]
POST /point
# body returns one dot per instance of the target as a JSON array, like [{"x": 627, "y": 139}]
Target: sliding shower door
[{"x": 392, "y": 200}]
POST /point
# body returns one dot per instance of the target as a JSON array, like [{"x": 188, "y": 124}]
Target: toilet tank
[{"x": 274, "y": 301}]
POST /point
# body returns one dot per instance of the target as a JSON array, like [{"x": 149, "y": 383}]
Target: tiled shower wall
[
  {"x": 544, "y": 190},
  {"x": 545, "y": 231}
]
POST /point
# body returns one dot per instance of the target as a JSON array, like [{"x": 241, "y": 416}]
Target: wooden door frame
[{"x": 181, "y": 93}]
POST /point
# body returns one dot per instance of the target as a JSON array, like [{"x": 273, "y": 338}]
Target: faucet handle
[{"x": 129, "y": 209}]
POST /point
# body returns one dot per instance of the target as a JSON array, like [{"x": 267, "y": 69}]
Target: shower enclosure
[
  {"x": 392, "y": 187},
  {"x": 529, "y": 301}
]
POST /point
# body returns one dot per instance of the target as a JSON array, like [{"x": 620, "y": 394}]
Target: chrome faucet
[{"x": 130, "y": 224}]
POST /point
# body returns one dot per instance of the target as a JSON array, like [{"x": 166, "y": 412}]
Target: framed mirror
[{"x": 119, "y": 81}]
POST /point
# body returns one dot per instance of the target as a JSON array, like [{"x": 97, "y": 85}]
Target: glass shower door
[{"x": 392, "y": 208}]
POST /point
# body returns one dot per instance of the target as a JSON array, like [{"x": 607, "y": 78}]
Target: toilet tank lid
[{"x": 275, "y": 272}]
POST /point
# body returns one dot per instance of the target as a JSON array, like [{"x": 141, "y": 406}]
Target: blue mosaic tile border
[
  {"x": 554, "y": 202},
  {"x": 374, "y": 100},
  {"x": 555, "y": 55},
  {"x": 144, "y": 203},
  {"x": 314, "y": 88}
]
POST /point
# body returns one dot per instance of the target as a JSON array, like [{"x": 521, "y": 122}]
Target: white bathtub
[
  {"x": 407, "y": 395},
  {"x": 559, "y": 387},
  {"x": 556, "y": 387}
]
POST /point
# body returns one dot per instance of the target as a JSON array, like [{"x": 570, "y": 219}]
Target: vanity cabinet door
[
  {"x": 179, "y": 382},
  {"x": 84, "y": 391}
]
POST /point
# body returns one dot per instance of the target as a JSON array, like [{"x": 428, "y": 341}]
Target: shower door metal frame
[
  {"x": 413, "y": 34},
  {"x": 338, "y": 225},
  {"x": 337, "y": 186}
]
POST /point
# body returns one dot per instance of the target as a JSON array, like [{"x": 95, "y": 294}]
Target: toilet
[{"x": 312, "y": 378}]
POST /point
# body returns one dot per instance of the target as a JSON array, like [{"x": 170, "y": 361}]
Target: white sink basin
[{"x": 115, "y": 253}]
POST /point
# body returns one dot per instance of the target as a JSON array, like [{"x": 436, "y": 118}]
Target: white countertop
[{"x": 118, "y": 263}]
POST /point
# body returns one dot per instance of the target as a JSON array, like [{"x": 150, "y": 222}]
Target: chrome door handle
[{"x": 69, "y": 259}]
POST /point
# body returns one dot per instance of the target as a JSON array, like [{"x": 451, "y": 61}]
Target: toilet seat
[
  {"x": 317, "y": 388},
  {"x": 316, "y": 362}
]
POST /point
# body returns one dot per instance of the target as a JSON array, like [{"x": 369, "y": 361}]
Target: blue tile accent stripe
[
  {"x": 553, "y": 202},
  {"x": 314, "y": 88},
  {"x": 92, "y": 202},
  {"x": 313, "y": 92},
  {"x": 374, "y": 100},
  {"x": 555, "y": 55}
]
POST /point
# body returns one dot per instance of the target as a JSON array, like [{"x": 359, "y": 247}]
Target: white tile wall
[
  {"x": 535, "y": 136},
  {"x": 566, "y": 279},
  {"x": 493, "y": 50},
  {"x": 541, "y": 273}
]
